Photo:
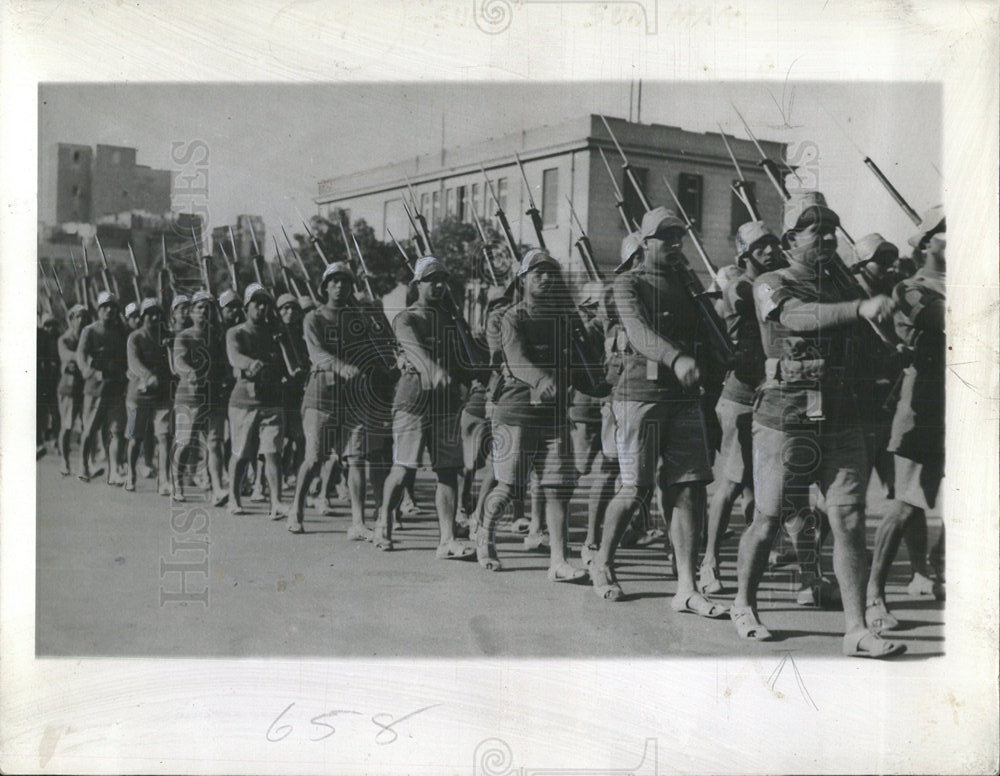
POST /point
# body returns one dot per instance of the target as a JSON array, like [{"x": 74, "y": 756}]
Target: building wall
[
  {"x": 114, "y": 168},
  {"x": 73, "y": 181},
  {"x": 150, "y": 190}
]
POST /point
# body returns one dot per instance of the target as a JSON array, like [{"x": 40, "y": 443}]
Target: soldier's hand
[
  {"x": 254, "y": 368},
  {"x": 349, "y": 371},
  {"x": 686, "y": 369},
  {"x": 876, "y": 309},
  {"x": 152, "y": 383},
  {"x": 546, "y": 390},
  {"x": 441, "y": 379}
]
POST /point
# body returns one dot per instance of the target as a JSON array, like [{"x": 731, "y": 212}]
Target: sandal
[
  {"x": 878, "y": 617},
  {"x": 588, "y": 552},
  {"x": 360, "y": 533},
  {"x": 564, "y": 572},
  {"x": 697, "y": 603},
  {"x": 521, "y": 526},
  {"x": 382, "y": 542},
  {"x": 535, "y": 541},
  {"x": 921, "y": 585},
  {"x": 651, "y": 536},
  {"x": 605, "y": 584},
  {"x": 453, "y": 550},
  {"x": 748, "y": 624},
  {"x": 876, "y": 647},
  {"x": 708, "y": 579},
  {"x": 486, "y": 552}
]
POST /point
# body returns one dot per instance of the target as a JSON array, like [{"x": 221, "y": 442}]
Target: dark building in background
[
  {"x": 243, "y": 236},
  {"x": 73, "y": 185},
  {"x": 90, "y": 186}
]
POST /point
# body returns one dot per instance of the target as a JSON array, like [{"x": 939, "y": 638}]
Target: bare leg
[
  {"x": 446, "y": 500},
  {"x": 887, "y": 538},
  {"x": 848, "y": 527},
  {"x": 601, "y": 493},
  {"x": 133, "y": 460},
  {"x": 751, "y": 560},
  {"x": 392, "y": 493},
  {"x": 719, "y": 509},
  {"x": 273, "y": 474},
  {"x": 688, "y": 507},
  {"x": 556, "y": 517},
  {"x": 356, "y": 484}
]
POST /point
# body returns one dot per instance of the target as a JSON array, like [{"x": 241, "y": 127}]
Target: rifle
[
  {"x": 233, "y": 276},
  {"x": 378, "y": 323},
  {"x": 583, "y": 246},
  {"x": 45, "y": 284},
  {"x": 487, "y": 252},
  {"x": 502, "y": 217},
  {"x": 913, "y": 215},
  {"x": 85, "y": 280},
  {"x": 286, "y": 275},
  {"x": 302, "y": 266},
  {"x": 696, "y": 293},
  {"x": 79, "y": 284},
  {"x": 406, "y": 259},
  {"x": 421, "y": 222},
  {"x": 629, "y": 222},
  {"x": 164, "y": 279},
  {"x": 109, "y": 285},
  {"x": 627, "y": 168},
  {"x": 740, "y": 187},
  {"x": 202, "y": 261},
  {"x": 135, "y": 275},
  {"x": 532, "y": 211}
]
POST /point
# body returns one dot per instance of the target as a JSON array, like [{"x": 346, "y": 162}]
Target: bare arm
[
  {"x": 516, "y": 356},
  {"x": 321, "y": 357},
  {"x": 416, "y": 354},
  {"x": 135, "y": 365}
]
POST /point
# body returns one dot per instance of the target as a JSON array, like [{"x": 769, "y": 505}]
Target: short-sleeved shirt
[
  {"x": 202, "y": 351},
  {"x": 661, "y": 323},
  {"x": 785, "y": 400},
  {"x": 147, "y": 358},
  {"x": 247, "y": 342},
  {"x": 430, "y": 329},
  {"x": 341, "y": 333},
  {"x": 104, "y": 347},
  {"x": 737, "y": 311}
]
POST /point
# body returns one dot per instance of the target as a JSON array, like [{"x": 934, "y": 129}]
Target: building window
[
  {"x": 689, "y": 189},
  {"x": 435, "y": 209},
  {"x": 550, "y": 197},
  {"x": 76, "y": 157},
  {"x": 76, "y": 190},
  {"x": 476, "y": 205},
  {"x": 502, "y": 193},
  {"x": 461, "y": 204},
  {"x": 116, "y": 157},
  {"x": 738, "y": 210},
  {"x": 633, "y": 202}
]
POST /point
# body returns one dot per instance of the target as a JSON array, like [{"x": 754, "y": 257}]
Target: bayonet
[
  {"x": 532, "y": 212},
  {"x": 627, "y": 167}
]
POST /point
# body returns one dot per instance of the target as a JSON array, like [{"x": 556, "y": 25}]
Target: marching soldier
[
  {"x": 293, "y": 386},
  {"x": 70, "y": 388},
  {"x": 759, "y": 252},
  {"x": 255, "y": 417},
  {"x": 339, "y": 407},
  {"x": 132, "y": 321},
  {"x": 426, "y": 407},
  {"x": 806, "y": 424},
  {"x": 148, "y": 397},
  {"x": 658, "y": 409},
  {"x": 100, "y": 356},
  {"x": 199, "y": 362},
  {"x": 917, "y": 440},
  {"x": 529, "y": 420}
]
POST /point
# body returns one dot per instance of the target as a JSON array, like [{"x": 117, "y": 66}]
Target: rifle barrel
[{"x": 893, "y": 192}]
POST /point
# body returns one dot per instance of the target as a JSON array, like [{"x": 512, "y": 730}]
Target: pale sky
[{"x": 270, "y": 144}]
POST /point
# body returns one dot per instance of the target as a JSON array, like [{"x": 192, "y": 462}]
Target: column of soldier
[{"x": 796, "y": 374}]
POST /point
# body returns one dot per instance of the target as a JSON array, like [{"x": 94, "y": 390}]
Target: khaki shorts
[
  {"x": 70, "y": 408},
  {"x": 786, "y": 463},
  {"x": 438, "y": 436},
  {"x": 917, "y": 484},
  {"x": 609, "y": 432},
  {"x": 189, "y": 421},
  {"x": 106, "y": 413},
  {"x": 735, "y": 459},
  {"x": 672, "y": 433},
  {"x": 476, "y": 441},
  {"x": 519, "y": 450},
  {"x": 256, "y": 431},
  {"x": 331, "y": 432},
  {"x": 141, "y": 419}
]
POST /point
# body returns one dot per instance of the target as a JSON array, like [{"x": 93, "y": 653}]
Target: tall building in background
[
  {"x": 560, "y": 162},
  {"x": 92, "y": 185}
]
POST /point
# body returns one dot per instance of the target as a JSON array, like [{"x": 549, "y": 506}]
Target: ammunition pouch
[{"x": 787, "y": 370}]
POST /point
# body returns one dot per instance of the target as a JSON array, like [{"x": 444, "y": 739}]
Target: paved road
[{"x": 108, "y": 563}]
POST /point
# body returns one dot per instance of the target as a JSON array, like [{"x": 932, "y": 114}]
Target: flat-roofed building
[{"x": 563, "y": 162}]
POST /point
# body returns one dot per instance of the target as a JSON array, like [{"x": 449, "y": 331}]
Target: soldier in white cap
[
  {"x": 256, "y": 420},
  {"x": 758, "y": 251},
  {"x": 540, "y": 337},
  {"x": 346, "y": 400},
  {"x": 200, "y": 362},
  {"x": 148, "y": 397},
  {"x": 427, "y": 406},
  {"x": 657, "y": 406},
  {"x": 806, "y": 425},
  {"x": 70, "y": 389},
  {"x": 100, "y": 356},
  {"x": 917, "y": 440},
  {"x": 131, "y": 315}
]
